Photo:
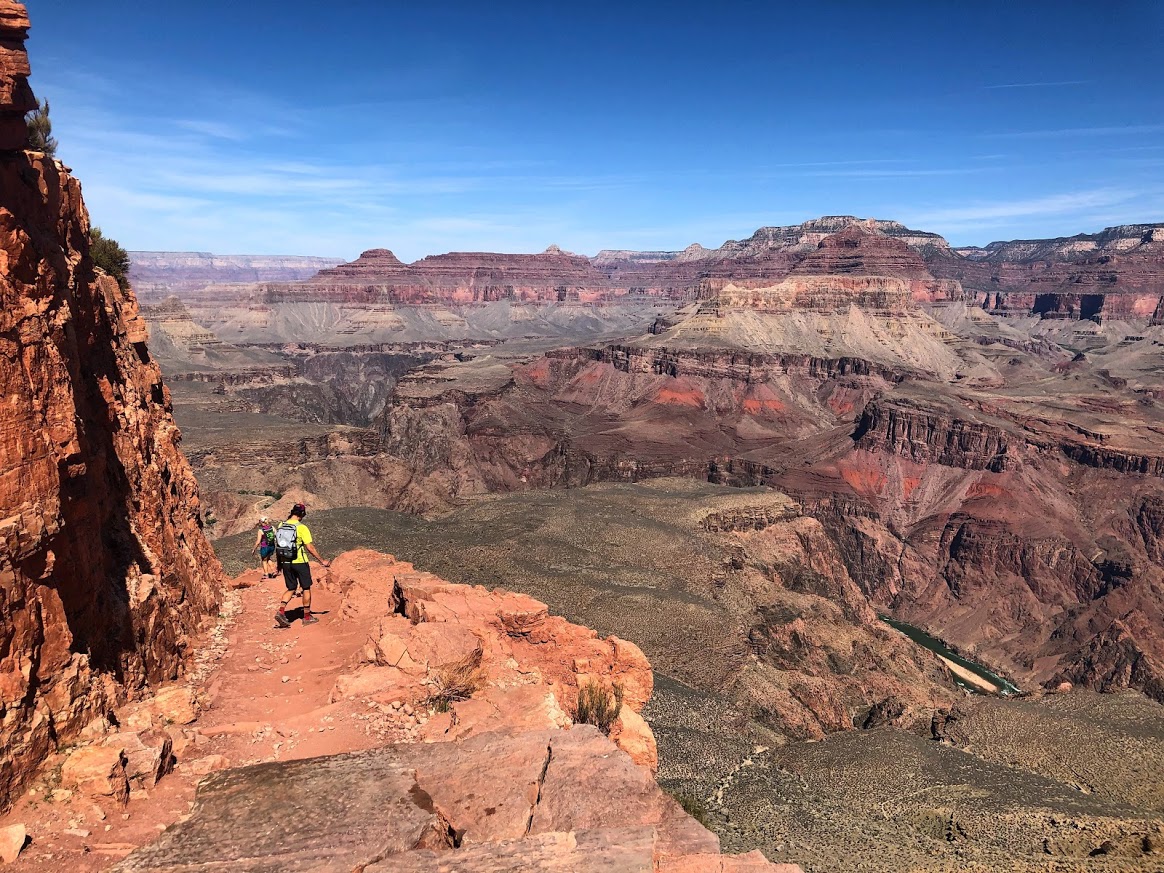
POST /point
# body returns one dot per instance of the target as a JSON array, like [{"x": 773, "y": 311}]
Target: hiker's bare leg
[{"x": 307, "y": 600}]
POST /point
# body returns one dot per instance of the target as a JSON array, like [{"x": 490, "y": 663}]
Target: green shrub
[
  {"x": 108, "y": 254},
  {"x": 598, "y": 705},
  {"x": 40, "y": 130}
]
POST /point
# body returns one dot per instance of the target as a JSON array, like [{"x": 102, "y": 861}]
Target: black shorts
[{"x": 297, "y": 576}]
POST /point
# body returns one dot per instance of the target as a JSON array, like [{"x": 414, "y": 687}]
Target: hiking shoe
[
  {"x": 310, "y": 619},
  {"x": 282, "y": 620}
]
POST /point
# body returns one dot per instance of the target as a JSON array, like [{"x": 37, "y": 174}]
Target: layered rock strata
[
  {"x": 990, "y": 491},
  {"x": 1115, "y": 274},
  {"x": 156, "y": 275},
  {"x": 104, "y": 571},
  {"x": 378, "y": 276}
]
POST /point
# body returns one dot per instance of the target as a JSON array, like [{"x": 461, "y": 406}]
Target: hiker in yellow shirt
[{"x": 292, "y": 546}]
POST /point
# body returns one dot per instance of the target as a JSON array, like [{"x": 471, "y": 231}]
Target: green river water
[{"x": 919, "y": 636}]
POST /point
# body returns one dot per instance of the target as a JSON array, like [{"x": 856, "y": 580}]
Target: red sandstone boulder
[
  {"x": 12, "y": 840},
  {"x": 97, "y": 771},
  {"x": 148, "y": 755},
  {"x": 530, "y": 664}
]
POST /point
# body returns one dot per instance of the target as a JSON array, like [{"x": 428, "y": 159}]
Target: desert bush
[
  {"x": 40, "y": 130},
  {"x": 598, "y": 705},
  {"x": 456, "y": 681},
  {"x": 108, "y": 254}
]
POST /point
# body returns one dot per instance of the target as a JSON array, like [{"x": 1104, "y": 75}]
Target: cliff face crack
[{"x": 541, "y": 785}]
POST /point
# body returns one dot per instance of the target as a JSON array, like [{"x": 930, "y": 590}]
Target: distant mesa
[
  {"x": 861, "y": 252},
  {"x": 1116, "y": 273},
  {"x": 155, "y": 275}
]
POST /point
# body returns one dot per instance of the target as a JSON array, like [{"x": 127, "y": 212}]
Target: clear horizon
[{"x": 264, "y": 128}]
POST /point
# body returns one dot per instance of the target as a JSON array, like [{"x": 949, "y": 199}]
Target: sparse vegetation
[
  {"x": 108, "y": 254},
  {"x": 598, "y": 705},
  {"x": 692, "y": 805},
  {"x": 456, "y": 681},
  {"x": 40, "y": 130}
]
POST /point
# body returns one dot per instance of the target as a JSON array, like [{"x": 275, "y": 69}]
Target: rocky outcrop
[
  {"x": 538, "y": 801},
  {"x": 855, "y": 252},
  {"x": 770, "y": 255},
  {"x": 16, "y": 97},
  {"x": 172, "y": 317},
  {"x": 104, "y": 571},
  {"x": 736, "y": 365},
  {"x": 1110, "y": 240},
  {"x": 1113, "y": 660},
  {"x": 809, "y": 235},
  {"x": 933, "y": 435},
  {"x": 492, "y": 772},
  {"x": 265, "y": 452},
  {"x": 829, "y": 294}
]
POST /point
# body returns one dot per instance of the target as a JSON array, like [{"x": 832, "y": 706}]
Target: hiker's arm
[
  {"x": 258, "y": 539},
  {"x": 318, "y": 556}
]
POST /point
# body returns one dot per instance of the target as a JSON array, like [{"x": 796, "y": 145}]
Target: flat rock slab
[
  {"x": 322, "y": 814},
  {"x": 621, "y": 850},
  {"x": 545, "y": 800}
]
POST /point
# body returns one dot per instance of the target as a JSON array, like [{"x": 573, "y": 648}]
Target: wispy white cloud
[
  {"x": 904, "y": 172},
  {"x": 1108, "y": 130},
  {"x": 1063, "y": 84},
  {"x": 216, "y": 129},
  {"x": 1054, "y": 205}
]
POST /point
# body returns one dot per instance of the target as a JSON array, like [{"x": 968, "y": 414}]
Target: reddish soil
[{"x": 266, "y": 698}]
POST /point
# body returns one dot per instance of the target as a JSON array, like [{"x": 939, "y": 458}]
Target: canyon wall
[
  {"x": 104, "y": 571},
  {"x": 378, "y": 276},
  {"x": 155, "y": 275}
]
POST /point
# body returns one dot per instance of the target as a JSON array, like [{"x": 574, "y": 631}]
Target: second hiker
[
  {"x": 265, "y": 546},
  {"x": 292, "y": 545}
]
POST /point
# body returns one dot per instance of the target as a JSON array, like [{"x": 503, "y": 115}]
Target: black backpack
[{"x": 287, "y": 542}]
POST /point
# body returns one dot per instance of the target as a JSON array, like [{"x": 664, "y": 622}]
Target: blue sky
[{"x": 312, "y": 128}]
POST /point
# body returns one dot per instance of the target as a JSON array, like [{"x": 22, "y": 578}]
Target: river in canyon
[{"x": 979, "y": 680}]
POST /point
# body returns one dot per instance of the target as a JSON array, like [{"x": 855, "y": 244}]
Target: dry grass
[
  {"x": 598, "y": 705},
  {"x": 456, "y": 681}
]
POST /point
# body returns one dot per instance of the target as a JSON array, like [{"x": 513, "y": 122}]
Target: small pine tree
[
  {"x": 108, "y": 254},
  {"x": 40, "y": 130}
]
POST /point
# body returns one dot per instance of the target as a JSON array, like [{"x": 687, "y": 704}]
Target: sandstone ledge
[{"x": 502, "y": 780}]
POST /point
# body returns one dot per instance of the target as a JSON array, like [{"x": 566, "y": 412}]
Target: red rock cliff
[{"x": 104, "y": 571}]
